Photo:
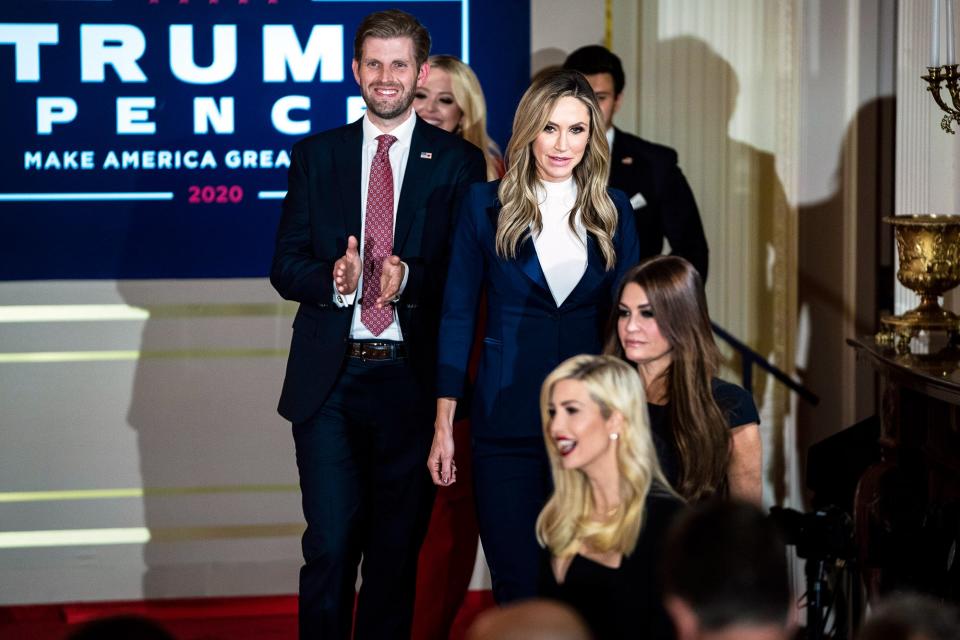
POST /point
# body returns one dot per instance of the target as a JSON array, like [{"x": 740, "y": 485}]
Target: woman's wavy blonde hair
[
  {"x": 520, "y": 211},
  {"x": 567, "y": 521},
  {"x": 469, "y": 97}
]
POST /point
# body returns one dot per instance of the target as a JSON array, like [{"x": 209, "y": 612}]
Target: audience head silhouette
[
  {"x": 725, "y": 574},
  {"x": 530, "y": 620},
  {"x": 126, "y": 627},
  {"x": 908, "y": 616}
]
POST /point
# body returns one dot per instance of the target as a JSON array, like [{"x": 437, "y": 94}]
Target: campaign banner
[{"x": 151, "y": 138}]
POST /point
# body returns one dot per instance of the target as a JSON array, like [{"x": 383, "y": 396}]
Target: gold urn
[{"x": 929, "y": 250}]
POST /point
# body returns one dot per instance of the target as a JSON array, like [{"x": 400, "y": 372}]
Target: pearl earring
[{"x": 614, "y": 436}]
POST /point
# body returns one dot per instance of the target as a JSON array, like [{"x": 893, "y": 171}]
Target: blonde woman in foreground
[{"x": 603, "y": 527}]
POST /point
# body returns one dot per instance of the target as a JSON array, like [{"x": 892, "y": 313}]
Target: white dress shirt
[
  {"x": 398, "y": 164},
  {"x": 562, "y": 251}
]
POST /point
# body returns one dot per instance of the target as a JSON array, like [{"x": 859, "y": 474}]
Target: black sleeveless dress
[{"x": 625, "y": 602}]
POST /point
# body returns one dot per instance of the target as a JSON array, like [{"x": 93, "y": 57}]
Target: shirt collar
[
  {"x": 559, "y": 189},
  {"x": 610, "y": 133},
  {"x": 403, "y": 133}
]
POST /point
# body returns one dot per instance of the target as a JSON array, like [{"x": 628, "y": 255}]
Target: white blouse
[{"x": 561, "y": 250}]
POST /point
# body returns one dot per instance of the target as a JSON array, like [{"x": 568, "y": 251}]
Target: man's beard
[{"x": 390, "y": 108}]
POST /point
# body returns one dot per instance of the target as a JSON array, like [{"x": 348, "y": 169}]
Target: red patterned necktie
[{"x": 377, "y": 237}]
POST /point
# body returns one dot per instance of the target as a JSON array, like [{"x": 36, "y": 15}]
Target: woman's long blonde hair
[
  {"x": 567, "y": 521},
  {"x": 469, "y": 96},
  {"x": 520, "y": 211}
]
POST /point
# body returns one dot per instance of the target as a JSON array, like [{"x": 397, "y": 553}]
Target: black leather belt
[{"x": 377, "y": 350}]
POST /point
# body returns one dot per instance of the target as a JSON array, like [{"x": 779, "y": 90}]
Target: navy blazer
[
  {"x": 527, "y": 335},
  {"x": 638, "y": 166},
  {"x": 322, "y": 208}
]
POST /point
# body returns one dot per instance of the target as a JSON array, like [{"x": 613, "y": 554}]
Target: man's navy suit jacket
[
  {"x": 641, "y": 167},
  {"x": 322, "y": 208}
]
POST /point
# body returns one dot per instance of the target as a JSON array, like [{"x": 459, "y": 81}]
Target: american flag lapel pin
[
  {"x": 627, "y": 160},
  {"x": 426, "y": 155}
]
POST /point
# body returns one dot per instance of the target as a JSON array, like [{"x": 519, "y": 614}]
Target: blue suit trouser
[{"x": 512, "y": 483}]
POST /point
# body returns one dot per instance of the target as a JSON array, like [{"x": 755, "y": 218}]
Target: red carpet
[{"x": 253, "y": 618}]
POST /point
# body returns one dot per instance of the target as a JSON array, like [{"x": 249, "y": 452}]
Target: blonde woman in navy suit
[{"x": 549, "y": 244}]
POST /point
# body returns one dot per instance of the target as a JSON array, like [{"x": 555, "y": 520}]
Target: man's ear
[
  {"x": 355, "y": 65},
  {"x": 793, "y": 618},
  {"x": 684, "y": 619},
  {"x": 424, "y": 72},
  {"x": 616, "y": 104}
]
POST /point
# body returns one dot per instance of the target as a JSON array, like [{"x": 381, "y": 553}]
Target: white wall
[
  {"x": 141, "y": 452},
  {"x": 557, "y": 27}
]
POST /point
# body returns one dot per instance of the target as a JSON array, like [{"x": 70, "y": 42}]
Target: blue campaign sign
[{"x": 150, "y": 138}]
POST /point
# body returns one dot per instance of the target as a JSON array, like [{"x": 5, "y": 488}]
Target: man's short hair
[
  {"x": 728, "y": 562},
  {"x": 393, "y": 23},
  {"x": 533, "y": 619},
  {"x": 596, "y": 59},
  {"x": 908, "y": 616}
]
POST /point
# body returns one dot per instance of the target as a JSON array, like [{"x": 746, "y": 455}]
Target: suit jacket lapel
[
  {"x": 415, "y": 180},
  {"x": 593, "y": 274},
  {"x": 348, "y": 162},
  {"x": 616, "y": 159},
  {"x": 529, "y": 264},
  {"x": 527, "y": 260}
]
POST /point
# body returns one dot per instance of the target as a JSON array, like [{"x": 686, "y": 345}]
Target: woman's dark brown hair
[{"x": 675, "y": 293}]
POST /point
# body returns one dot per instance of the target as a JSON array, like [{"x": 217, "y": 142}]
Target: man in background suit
[
  {"x": 662, "y": 201},
  {"x": 363, "y": 246}
]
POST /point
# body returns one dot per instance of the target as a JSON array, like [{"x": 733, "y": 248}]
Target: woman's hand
[
  {"x": 440, "y": 462},
  {"x": 746, "y": 463}
]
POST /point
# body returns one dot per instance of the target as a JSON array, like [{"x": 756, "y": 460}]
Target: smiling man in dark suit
[
  {"x": 363, "y": 246},
  {"x": 662, "y": 201}
]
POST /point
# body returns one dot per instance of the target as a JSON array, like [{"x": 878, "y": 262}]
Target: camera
[{"x": 822, "y": 534}]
